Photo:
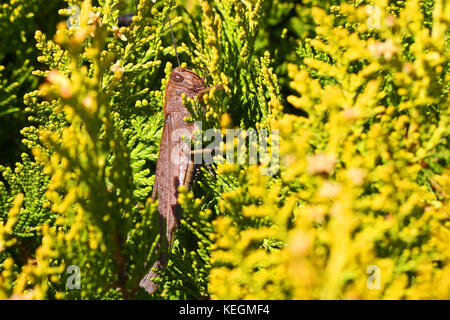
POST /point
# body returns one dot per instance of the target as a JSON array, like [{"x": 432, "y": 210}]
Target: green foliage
[
  {"x": 362, "y": 114},
  {"x": 19, "y": 19}
]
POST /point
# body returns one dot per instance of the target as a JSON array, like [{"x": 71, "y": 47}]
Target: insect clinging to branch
[{"x": 175, "y": 166}]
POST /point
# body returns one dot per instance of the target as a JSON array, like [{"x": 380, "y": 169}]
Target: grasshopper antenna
[{"x": 174, "y": 44}]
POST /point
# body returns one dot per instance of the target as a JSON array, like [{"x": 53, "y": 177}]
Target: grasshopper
[{"x": 175, "y": 166}]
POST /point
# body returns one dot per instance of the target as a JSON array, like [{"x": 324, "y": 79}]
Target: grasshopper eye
[{"x": 177, "y": 77}]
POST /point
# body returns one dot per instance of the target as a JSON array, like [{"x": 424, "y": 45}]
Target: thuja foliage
[
  {"x": 97, "y": 119},
  {"x": 19, "y": 19},
  {"x": 359, "y": 207}
]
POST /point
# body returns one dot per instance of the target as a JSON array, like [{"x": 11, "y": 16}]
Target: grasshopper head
[{"x": 187, "y": 80}]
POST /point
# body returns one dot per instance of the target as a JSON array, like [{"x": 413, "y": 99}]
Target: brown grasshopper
[{"x": 174, "y": 167}]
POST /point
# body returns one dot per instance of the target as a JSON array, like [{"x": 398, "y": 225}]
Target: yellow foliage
[{"x": 368, "y": 221}]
